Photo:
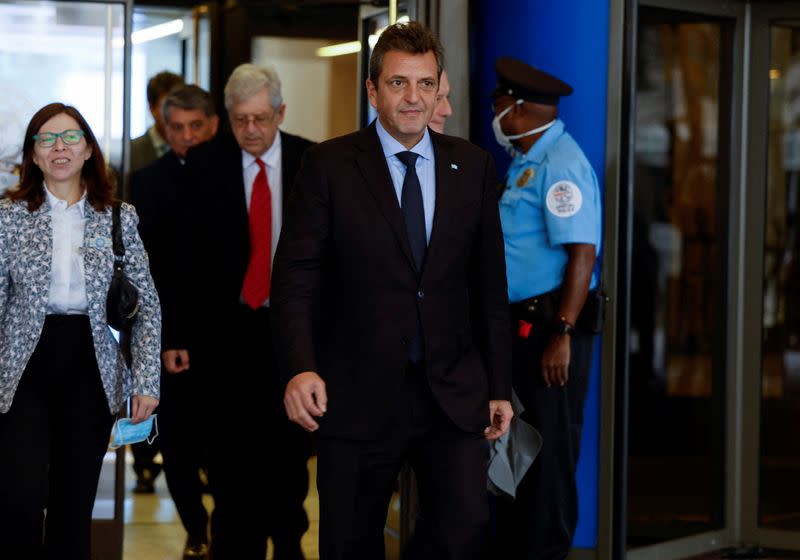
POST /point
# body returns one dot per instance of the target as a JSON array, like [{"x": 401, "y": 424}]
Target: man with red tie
[{"x": 236, "y": 190}]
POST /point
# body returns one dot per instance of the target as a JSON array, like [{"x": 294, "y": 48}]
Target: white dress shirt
[
  {"x": 272, "y": 160},
  {"x": 67, "y": 277}
]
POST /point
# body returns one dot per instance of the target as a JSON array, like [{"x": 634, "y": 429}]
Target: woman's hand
[{"x": 142, "y": 407}]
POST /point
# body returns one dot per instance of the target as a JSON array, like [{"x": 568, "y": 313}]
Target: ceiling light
[{"x": 340, "y": 49}]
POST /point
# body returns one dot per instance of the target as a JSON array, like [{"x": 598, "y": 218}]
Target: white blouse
[{"x": 67, "y": 277}]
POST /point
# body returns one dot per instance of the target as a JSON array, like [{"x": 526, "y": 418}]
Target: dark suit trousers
[
  {"x": 183, "y": 431},
  {"x": 540, "y": 523},
  {"x": 52, "y": 442},
  {"x": 258, "y": 462},
  {"x": 356, "y": 479}
]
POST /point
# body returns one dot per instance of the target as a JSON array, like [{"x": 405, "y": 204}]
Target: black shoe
[
  {"x": 145, "y": 483},
  {"x": 195, "y": 549}
]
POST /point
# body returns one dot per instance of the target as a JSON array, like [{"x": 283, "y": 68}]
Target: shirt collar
[
  {"x": 61, "y": 204},
  {"x": 271, "y": 157},
  {"x": 539, "y": 149},
  {"x": 159, "y": 143},
  {"x": 391, "y": 146}
]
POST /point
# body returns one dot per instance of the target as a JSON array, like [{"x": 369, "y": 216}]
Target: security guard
[{"x": 551, "y": 216}]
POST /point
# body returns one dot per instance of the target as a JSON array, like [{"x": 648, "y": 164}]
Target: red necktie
[{"x": 256, "y": 282}]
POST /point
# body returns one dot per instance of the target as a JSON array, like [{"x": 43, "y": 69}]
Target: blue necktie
[
  {"x": 414, "y": 216},
  {"x": 413, "y": 210}
]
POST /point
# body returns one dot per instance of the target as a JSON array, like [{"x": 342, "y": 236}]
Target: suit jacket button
[{"x": 420, "y": 294}]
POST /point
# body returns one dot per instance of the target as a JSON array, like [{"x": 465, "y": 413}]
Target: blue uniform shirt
[{"x": 551, "y": 198}]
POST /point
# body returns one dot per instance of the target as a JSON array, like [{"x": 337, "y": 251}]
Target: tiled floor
[{"x": 153, "y": 530}]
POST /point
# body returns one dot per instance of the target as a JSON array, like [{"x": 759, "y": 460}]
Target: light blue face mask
[{"x": 126, "y": 433}]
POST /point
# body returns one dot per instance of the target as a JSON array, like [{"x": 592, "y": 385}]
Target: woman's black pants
[{"x": 52, "y": 443}]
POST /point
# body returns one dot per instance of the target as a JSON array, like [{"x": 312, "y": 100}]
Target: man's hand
[
  {"x": 175, "y": 361},
  {"x": 142, "y": 407},
  {"x": 555, "y": 361},
  {"x": 500, "y": 414},
  {"x": 305, "y": 397}
]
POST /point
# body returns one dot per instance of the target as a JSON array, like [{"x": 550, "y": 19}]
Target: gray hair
[
  {"x": 247, "y": 80},
  {"x": 188, "y": 98}
]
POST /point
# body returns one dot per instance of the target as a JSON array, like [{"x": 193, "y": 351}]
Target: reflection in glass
[
  {"x": 675, "y": 445},
  {"x": 61, "y": 51},
  {"x": 779, "y": 505}
]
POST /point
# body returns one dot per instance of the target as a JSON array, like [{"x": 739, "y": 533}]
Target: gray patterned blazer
[{"x": 26, "y": 247}]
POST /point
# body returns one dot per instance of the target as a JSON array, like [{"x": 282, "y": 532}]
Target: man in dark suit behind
[
  {"x": 190, "y": 119},
  {"x": 237, "y": 187},
  {"x": 390, "y": 314},
  {"x": 145, "y": 150}
]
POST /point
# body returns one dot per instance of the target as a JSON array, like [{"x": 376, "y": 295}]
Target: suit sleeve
[
  {"x": 298, "y": 268},
  {"x": 146, "y": 333},
  {"x": 490, "y": 305}
]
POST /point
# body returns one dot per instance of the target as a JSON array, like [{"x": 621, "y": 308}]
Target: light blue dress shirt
[
  {"x": 551, "y": 199},
  {"x": 426, "y": 170}
]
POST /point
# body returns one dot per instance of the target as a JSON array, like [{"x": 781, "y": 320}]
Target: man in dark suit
[
  {"x": 236, "y": 189},
  {"x": 145, "y": 150},
  {"x": 190, "y": 119},
  {"x": 151, "y": 145},
  {"x": 390, "y": 314}
]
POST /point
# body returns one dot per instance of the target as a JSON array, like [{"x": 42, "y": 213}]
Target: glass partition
[{"x": 61, "y": 51}]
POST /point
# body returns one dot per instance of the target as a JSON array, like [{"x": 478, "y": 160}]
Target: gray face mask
[
  {"x": 505, "y": 140},
  {"x": 126, "y": 433}
]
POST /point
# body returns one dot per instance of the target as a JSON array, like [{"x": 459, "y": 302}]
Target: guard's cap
[{"x": 523, "y": 81}]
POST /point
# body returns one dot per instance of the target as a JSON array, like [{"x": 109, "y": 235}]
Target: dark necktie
[
  {"x": 414, "y": 216},
  {"x": 256, "y": 281},
  {"x": 413, "y": 209}
]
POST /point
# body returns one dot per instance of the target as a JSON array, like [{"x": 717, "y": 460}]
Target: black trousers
[
  {"x": 540, "y": 523},
  {"x": 258, "y": 458},
  {"x": 356, "y": 479},
  {"x": 183, "y": 432},
  {"x": 52, "y": 442}
]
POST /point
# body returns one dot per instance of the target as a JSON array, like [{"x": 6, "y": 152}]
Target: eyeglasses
[
  {"x": 241, "y": 121},
  {"x": 48, "y": 139}
]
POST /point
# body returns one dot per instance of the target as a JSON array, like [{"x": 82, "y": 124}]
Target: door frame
[{"x": 757, "y": 133}]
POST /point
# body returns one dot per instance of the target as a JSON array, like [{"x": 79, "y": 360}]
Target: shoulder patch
[{"x": 564, "y": 199}]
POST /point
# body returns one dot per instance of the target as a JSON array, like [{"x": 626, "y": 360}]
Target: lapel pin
[{"x": 454, "y": 166}]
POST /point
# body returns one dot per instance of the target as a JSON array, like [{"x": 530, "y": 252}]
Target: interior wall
[{"x": 318, "y": 92}]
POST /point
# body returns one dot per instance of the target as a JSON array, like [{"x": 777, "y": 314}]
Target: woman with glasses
[{"x": 62, "y": 376}]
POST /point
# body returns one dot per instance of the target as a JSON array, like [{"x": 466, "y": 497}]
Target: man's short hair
[
  {"x": 188, "y": 98},
  {"x": 247, "y": 80},
  {"x": 161, "y": 84},
  {"x": 413, "y": 38}
]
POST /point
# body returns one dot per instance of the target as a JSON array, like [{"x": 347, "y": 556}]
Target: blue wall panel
[{"x": 569, "y": 39}]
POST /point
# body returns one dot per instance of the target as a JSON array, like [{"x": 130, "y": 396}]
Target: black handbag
[{"x": 122, "y": 303}]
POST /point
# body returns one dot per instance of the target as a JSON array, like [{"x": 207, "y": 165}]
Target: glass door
[{"x": 679, "y": 201}]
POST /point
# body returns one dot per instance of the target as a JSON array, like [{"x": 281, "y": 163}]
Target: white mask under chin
[{"x": 505, "y": 140}]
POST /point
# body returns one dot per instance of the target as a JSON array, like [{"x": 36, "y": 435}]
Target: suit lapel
[
  {"x": 373, "y": 165},
  {"x": 446, "y": 193},
  {"x": 237, "y": 196}
]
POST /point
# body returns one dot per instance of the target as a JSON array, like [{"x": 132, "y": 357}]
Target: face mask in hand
[
  {"x": 126, "y": 433},
  {"x": 503, "y": 139}
]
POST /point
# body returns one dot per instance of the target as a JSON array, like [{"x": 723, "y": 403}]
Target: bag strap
[{"x": 116, "y": 233}]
